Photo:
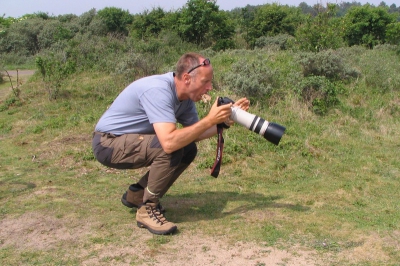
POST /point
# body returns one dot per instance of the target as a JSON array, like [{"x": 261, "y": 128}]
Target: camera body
[{"x": 270, "y": 131}]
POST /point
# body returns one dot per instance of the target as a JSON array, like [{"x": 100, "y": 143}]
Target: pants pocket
[{"x": 127, "y": 149}]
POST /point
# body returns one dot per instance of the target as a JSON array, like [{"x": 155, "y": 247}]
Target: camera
[{"x": 270, "y": 131}]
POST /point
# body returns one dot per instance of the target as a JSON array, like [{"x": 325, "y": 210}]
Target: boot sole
[{"x": 157, "y": 232}]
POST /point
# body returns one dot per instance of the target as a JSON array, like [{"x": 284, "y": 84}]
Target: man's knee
[
  {"x": 190, "y": 152},
  {"x": 185, "y": 155}
]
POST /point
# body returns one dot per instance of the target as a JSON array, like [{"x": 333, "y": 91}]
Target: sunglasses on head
[{"x": 206, "y": 62}]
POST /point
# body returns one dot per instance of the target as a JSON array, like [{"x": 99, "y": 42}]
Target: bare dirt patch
[
  {"x": 34, "y": 231},
  {"x": 38, "y": 232}
]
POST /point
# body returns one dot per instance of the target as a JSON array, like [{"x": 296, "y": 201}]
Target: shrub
[
  {"x": 134, "y": 65},
  {"x": 367, "y": 25},
  {"x": 255, "y": 80},
  {"x": 321, "y": 32},
  {"x": 393, "y": 33},
  {"x": 326, "y": 63},
  {"x": 271, "y": 20},
  {"x": 283, "y": 41},
  {"x": 318, "y": 93},
  {"x": 54, "y": 69},
  {"x": 116, "y": 19}
]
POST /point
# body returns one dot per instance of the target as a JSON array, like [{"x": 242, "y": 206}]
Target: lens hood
[{"x": 274, "y": 133}]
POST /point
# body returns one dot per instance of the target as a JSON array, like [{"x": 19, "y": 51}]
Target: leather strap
[{"x": 220, "y": 147}]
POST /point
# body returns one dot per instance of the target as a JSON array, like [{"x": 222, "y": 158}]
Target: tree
[
  {"x": 393, "y": 33},
  {"x": 116, "y": 19},
  {"x": 366, "y": 25},
  {"x": 149, "y": 24},
  {"x": 201, "y": 22},
  {"x": 271, "y": 20},
  {"x": 222, "y": 30},
  {"x": 306, "y": 9},
  {"x": 22, "y": 37},
  {"x": 322, "y": 32},
  {"x": 195, "y": 20}
]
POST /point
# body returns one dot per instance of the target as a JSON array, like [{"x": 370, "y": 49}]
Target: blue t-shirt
[{"x": 144, "y": 102}]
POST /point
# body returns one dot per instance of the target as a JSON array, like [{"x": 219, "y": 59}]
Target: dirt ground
[{"x": 36, "y": 232}]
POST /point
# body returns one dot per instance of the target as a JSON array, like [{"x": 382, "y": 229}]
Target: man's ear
[{"x": 187, "y": 78}]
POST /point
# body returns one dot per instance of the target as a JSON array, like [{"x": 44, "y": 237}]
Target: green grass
[{"x": 331, "y": 186}]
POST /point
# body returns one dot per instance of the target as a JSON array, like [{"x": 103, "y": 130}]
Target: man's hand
[
  {"x": 219, "y": 114},
  {"x": 243, "y": 104}
]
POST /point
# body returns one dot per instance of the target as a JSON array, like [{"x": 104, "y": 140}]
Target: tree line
[
  {"x": 111, "y": 41},
  {"x": 201, "y": 22}
]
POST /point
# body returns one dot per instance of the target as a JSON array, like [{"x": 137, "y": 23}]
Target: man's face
[{"x": 201, "y": 83}]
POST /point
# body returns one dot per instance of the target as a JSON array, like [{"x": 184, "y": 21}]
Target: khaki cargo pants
[{"x": 133, "y": 151}]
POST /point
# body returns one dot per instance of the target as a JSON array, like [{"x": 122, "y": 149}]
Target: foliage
[
  {"x": 136, "y": 65},
  {"x": 90, "y": 23},
  {"x": 2, "y": 74},
  {"x": 195, "y": 18},
  {"x": 221, "y": 32},
  {"x": 271, "y": 20},
  {"x": 319, "y": 93},
  {"x": 282, "y": 41},
  {"x": 324, "y": 73},
  {"x": 149, "y": 23},
  {"x": 5, "y": 23},
  {"x": 22, "y": 37},
  {"x": 202, "y": 23},
  {"x": 116, "y": 19},
  {"x": 54, "y": 70},
  {"x": 393, "y": 33},
  {"x": 55, "y": 31},
  {"x": 329, "y": 64},
  {"x": 14, "y": 86},
  {"x": 366, "y": 25},
  {"x": 254, "y": 79},
  {"x": 321, "y": 32}
]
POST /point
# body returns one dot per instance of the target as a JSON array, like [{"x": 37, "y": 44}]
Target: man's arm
[
  {"x": 173, "y": 139},
  {"x": 243, "y": 103}
]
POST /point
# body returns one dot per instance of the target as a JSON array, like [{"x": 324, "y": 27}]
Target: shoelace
[{"x": 155, "y": 213}]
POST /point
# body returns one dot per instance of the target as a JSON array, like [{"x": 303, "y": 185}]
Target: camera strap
[{"x": 220, "y": 147}]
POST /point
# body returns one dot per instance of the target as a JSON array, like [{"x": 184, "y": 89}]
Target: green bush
[
  {"x": 116, "y": 19},
  {"x": 54, "y": 69},
  {"x": 367, "y": 25},
  {"x": 393, "y": 33},
  {"x": 328, "y": 63},
  {"x": 325, "y": 31},
  {"x": 135, "y": 65},
  {"x": 318, "y": 93},
  {"x": 283, "y": 41},
  {"x": 272, "y": 20},
  {"x": 255, "y": 80}
]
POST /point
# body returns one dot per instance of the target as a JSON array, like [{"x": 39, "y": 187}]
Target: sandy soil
[{"x": 33, "y": 231}]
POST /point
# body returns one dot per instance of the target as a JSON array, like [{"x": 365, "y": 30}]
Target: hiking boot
[
  {"x": 149, "y": 216},
  {"x": 135, "y": 198}
]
